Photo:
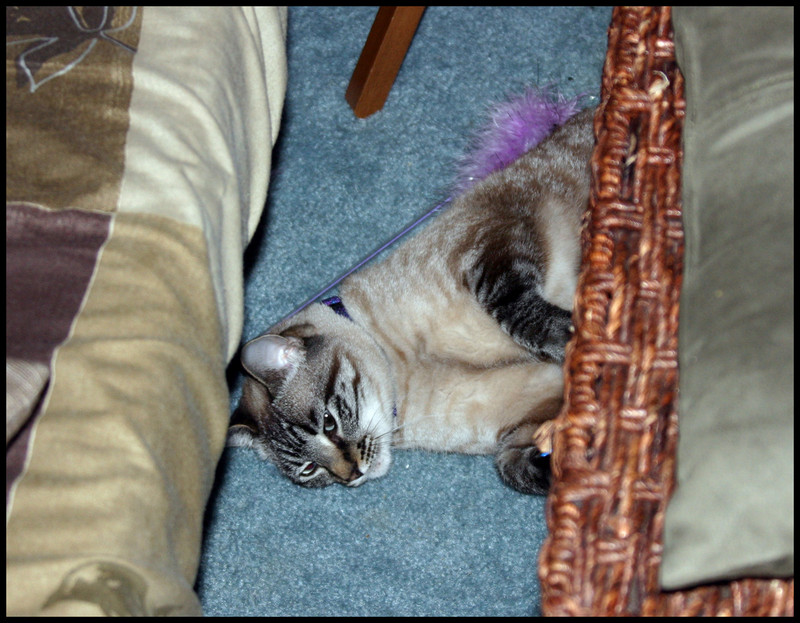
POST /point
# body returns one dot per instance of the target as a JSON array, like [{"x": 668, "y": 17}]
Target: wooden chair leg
[{"x": 380, "y": 60}]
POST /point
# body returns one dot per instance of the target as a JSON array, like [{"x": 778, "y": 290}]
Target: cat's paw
[
  {"x": 553, "y": 340},
  {"x": 523, "y": 467}
]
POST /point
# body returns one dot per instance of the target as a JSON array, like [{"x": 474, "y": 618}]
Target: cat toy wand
[{"x": 372, "y": 255}]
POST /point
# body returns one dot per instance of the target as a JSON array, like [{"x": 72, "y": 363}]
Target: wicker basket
[{"x": 616, "y": 438}]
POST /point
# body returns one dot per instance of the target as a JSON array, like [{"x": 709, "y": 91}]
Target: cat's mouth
[
  {"x": 350, "y": 464},
  {"x": 355, "y": 478}
]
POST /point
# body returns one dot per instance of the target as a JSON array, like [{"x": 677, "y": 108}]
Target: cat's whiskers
[
  {"x": 388, "y": 432},
  {"x": 373, "y": 422},
  {"x": 411, "y": 423}
]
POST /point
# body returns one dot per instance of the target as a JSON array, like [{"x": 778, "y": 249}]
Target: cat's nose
[
  {"x": 354, "y": 478},
  {"x": 346, "y": 470},
  {"x": 355, "y": 474}
]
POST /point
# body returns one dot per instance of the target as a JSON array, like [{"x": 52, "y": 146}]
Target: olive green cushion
[{"x": 732, "y": 514}]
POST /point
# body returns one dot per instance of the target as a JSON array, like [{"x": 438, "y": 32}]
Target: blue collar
[{"x": 335, "y": 303}]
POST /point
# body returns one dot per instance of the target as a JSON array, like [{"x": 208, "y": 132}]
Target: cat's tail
[{"x": 513, "y": 128}]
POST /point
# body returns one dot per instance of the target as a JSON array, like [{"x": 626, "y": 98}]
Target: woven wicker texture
[{"x": 616, "y": 437}]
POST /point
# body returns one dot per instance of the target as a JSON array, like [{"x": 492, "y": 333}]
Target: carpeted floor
[{"x": 440, "y": 534}]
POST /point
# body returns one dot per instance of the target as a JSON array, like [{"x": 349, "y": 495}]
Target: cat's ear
[{"x": 270, "y": 358}]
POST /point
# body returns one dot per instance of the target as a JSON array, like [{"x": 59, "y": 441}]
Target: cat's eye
[
  {"x": 328, "y": 423},
  {"x": 308, "y": 470}
]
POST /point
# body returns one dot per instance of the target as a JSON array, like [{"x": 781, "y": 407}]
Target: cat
[{"x": 454, "y": 342}]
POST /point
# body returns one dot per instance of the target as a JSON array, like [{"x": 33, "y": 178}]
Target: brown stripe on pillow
[{"x": 50, "y": 259}]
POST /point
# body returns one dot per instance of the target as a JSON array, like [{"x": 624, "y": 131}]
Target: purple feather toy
[{"x": 513, "y": 128}]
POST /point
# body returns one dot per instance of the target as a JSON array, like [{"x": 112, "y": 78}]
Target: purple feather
[{"x": 513, "y": 128}]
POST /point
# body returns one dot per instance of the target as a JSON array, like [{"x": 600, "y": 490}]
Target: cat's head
[{"x": 318, "y": 400}]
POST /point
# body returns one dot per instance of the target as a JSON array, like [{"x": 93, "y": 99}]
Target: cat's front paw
[
  {"x": 524, "y": 469},
  {"x": 520, "y": 461},
  {"x": 553, "y": 341}
]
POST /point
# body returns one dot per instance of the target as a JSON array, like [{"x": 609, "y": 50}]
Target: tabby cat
[{"x": 452, "y": 343}]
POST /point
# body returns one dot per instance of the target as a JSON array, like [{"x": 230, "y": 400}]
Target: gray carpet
[{"x": 440, "y": 534}]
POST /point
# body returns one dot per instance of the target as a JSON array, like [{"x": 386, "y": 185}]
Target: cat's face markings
[
  {"x": 345, "y": 439},
  {"x": 318, "y": 412}
]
